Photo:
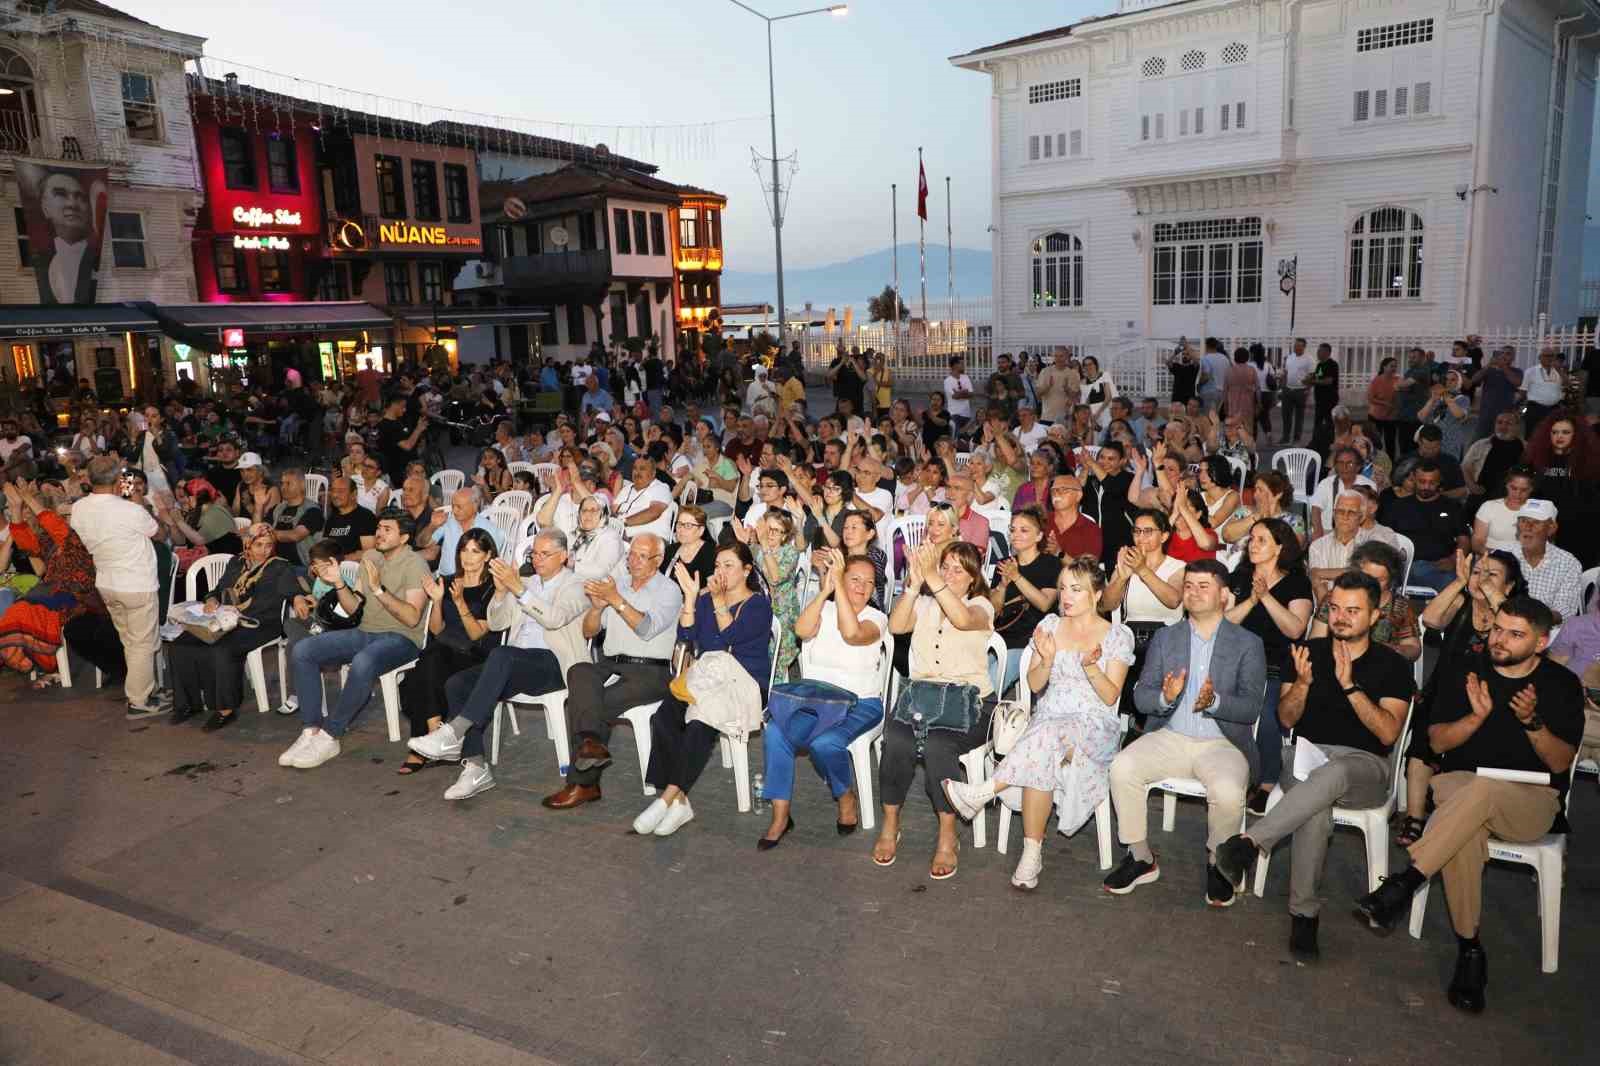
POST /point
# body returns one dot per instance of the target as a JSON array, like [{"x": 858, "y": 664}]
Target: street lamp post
[{"x": 772, "y": 112}]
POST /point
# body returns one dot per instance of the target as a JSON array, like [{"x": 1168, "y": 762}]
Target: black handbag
[{"x": 330, "y": 614}]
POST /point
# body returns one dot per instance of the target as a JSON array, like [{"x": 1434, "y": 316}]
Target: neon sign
[
  {"x": 410, "y": 233},
  {"x": 267, "y": 242},
  {"x": 256, "y": 217}
]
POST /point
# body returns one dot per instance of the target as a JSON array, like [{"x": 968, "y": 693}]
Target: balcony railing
[
  {"x": 556, "y": 268},
  {"x": 22, "y": 134},
  {"x": 701, "y": 258}
]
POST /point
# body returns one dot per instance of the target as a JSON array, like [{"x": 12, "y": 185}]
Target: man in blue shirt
[
  {"x": 463, "y": 516},
  {"x": 595, "y": 397}
]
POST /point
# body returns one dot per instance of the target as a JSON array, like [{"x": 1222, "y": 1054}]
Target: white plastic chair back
[
  {"x": 505, "y": 520},
  {"x": 317, "y": 489},
  {"x": 212, "y": 567},
  {"x": 1587, "y": 584},
  {"x": 546, "y": 475},
  {"x": 350, "y": 573},
  {"x": 913, "y": 529},
  {"x": 241, "y": 524},
  {"x": 449, "y": 482},
  {"x": 997, "y": 667},
  {"x": 517, "y": 500},
  {"x": 523, "y": 468},
  {"x": 1240, "y": 467},
  {"x": 527, "y": 530},
  {"x": 690, "y": 493},
  {"x": 1295, "y": 462},
  {"x": 962, "y": 458}
]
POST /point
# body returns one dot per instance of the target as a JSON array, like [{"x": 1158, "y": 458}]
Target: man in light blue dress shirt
[{"x": 463, "y": 516}]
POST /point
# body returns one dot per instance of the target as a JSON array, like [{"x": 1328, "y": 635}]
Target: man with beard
[
  {"x": 1435, "y": 523},
  {"x": 1348, "y": 702},
  {"x": 1518, "y": 711}
]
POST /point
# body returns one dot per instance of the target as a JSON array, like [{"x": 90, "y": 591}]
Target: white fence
[{"x": 919, "y": 351}]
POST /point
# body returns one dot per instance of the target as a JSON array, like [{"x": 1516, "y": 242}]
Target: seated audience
[
  {"x": 597, "y": 546},
  {"x": 1494, "y": 526},
  {"x": 1396, "y": 627},
  {"x": 350, "y": 527},
  {"x": 1270, "y": 491},
  {"x": 693, "y": 544},
  {"x": 464, "y": 515},
  {"x": 31, "y": 628},
  {"x": 1025, "y": 589},
  {"x": 296, "y": 521},
  {"x": 1433, "y": 522},
  {"x": 1554, "y": 575},
  {"x": 1071, "y": 533}
]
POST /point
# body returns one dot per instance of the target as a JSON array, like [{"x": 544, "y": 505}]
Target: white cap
[
  {"x": 1537, "y": 510},
  {"x": 249, "y": 459}
]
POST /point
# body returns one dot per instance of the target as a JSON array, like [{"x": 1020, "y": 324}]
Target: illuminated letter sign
[
  {"x": 410, "y": 233},
  {"x": 266, "y": 242},
  {"x": 256, "y": 217}
]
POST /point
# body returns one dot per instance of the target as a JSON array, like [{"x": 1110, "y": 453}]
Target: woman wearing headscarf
[{"x": 597, "y": 545}]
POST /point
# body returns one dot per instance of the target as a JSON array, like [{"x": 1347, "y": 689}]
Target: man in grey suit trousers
[{"x": 1201, "y": 688}]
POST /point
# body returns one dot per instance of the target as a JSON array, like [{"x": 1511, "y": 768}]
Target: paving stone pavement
[{"x": 173, "y": 896}]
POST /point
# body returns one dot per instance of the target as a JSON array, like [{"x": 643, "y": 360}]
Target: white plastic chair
[
  {"x": 1173, "y": 787},
  {"x": 555, "y": 724},
  {"x": 241, "y": 524},
  {"x": 520, "y": 467},
  {"x": 515, "y": 500},
  {"x": 1588, "y": 582},
  {"x": 861, "y": 748},
  {"x": 1295, "y": 462},
  {"x": 505, "y": 520},
  {"x": 317, "y": 489},
  {"x": 975, "y": 763},
  {"x": 1102, "y": 812},
  {"x": 255, "y": 667},
  {"x": 212, "y": 567},
  {"x": 449, "y": 482},
  {"x": 350, "y": 572},
  {"x": 690, "y": 494},
  {"x": 1408, "y": 551},
  {"x": 1240, "y": 467},
  {"x": 545, "y": 473},
  {"x": 526, "y": 531},
  {"x": 1548, "y": 857},
  {"x": 389, "y": 683},
  {"x": 736, "y": 750},
  {"x": 1371, "y": 822}
]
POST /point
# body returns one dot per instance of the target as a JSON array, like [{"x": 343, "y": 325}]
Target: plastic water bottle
[{"x": 758, "y": 787}]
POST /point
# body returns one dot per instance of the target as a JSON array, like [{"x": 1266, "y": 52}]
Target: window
[
  {"x": 1153, "y": 67},
  {"x": 1238, "y": 115},
  {"x": 1065, "y": 89},
  {"x": 641, "y": 233},
  {"x": 1235, "y": 53},
  {"x": 127, "y": 239},
  {"x": 1049, "y": 146},
  {"x": 1223, "y": 124},
  {"x": 642, "y": 313},
  {"x": 1183, "y": 122},
  {"x": 1380, "y": 103},
  {"x": 335, "y": 282},
  {"x": 577, "y": 332},
  {"x": 1193, "y": 60},
  {"x": 1199, "y": 120},
  {"x": 688, "y": 227},
  {"x": 397, "y": 283},
  {"x": 1161, "y": 126},
  {"x": 588, "y": 235},
  {"x": 1057, "y": 261},
  {"x": 283, "y": 166},
  {"x": 1361, "y": 105},
  {"x": 1207, "y": 261},
  {"x": 430, "y": 282},
  {"x": 140, "y": 113},
  {"x": 24, "y": 250},
  {"x": 425, "y": 190},
  {"x": 391, "y": 191},
  {"x": 238, "y": 158},
  {"x": 1400, "y": 102},
  {"x": 1420, "y": 98},
  {"x": 457, "y": 195},
  {"x": 1144, "y": 127},
  {"x": 274, "y": 271},
  {"x": 619, "y": 316},
  {"x": 1077, "y": 142},
  {"x": 714, "y": 228},
  {"x": 619, "y": 223},
  {"x": 1033, "y": 148},
  {"x": 229, "y": 266},
  {"x": 1395, "y": 35},
  {"x": 658, "y": 234},
  {"x": 1386, "y": 255}
]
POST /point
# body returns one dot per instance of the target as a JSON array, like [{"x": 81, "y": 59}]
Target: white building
[{"x": 1425, "y": 162}]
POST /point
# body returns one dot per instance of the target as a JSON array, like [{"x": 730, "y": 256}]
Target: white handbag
[{"x": 1008, "y": 722}]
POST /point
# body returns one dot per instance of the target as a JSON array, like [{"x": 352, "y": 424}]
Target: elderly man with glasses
[{"x": 1072, "y": 533}]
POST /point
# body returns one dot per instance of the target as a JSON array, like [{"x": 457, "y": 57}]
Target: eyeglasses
[{"x": 1146, "y": 531}]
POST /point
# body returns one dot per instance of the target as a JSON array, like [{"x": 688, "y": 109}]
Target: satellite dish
[{"x": 558, "y": 236}]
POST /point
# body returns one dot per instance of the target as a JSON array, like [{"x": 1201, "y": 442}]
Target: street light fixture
[{"x": 838, "y": 11}]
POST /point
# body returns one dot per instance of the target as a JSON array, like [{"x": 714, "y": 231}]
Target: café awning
[
  {"x": 423, "y": 317},
  {"x": 85, "y": 320},
  {"x": 259, "y": 319}
]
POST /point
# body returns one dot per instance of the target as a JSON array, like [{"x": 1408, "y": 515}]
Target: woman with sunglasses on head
[{"x": 459, "y": 637}]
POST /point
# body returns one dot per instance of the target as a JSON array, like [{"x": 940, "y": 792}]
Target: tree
[{"x": 881, "y": 306}]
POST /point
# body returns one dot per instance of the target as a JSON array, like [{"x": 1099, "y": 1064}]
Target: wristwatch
[
  {"x": 1352, "y": 688},
  {"x": 1533, "y": 723}
]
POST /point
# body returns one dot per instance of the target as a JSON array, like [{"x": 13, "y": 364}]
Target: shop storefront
[
  {"x": 242, "y": 345},
  {"x": 67, "y": 354}
]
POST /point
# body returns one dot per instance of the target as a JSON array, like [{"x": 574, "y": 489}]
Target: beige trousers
[
  {"x": 1216, "y": 764},
  {"x": 135, "y": 616}
]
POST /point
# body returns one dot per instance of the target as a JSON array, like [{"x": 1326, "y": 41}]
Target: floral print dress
[
  {"x": 1070, "y": 716},
  {"x": 785, "y": 596}
]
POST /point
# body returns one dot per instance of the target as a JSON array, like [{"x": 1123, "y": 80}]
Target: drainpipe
[{"x": 1482, "y": 142}]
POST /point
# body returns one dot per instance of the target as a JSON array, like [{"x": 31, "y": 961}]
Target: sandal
[
  {"x": 44, "y": 681},
  {"x": 408, "y": 767},
  {"x": 949, "y": 873},
  {"x": 878, "y": 862},
  {"x": 1410, "y": 831}
]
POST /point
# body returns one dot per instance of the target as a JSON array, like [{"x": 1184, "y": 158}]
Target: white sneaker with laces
[
  {"x": 650, "y": 817},
  {"x": 440, "y": 745},
  {"x": 475, "y": 778},
  {"x": 967, "y": 799},
  {"x": 290, "y": 705},
  {"x": 293, "y": 753},
  {"x": 677, "y": 816},
  {"x": 1026, "y": 876},
  {"x": 320, "y": 747}
]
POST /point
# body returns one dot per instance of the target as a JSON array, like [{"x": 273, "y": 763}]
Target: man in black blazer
[{"x": 68, "y": 268}]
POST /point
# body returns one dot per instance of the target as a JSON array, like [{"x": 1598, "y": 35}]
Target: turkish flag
[{"x": 922, "y": 192}]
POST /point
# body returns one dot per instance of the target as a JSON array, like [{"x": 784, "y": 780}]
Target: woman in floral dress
[{"x": 1064, "y": 756}]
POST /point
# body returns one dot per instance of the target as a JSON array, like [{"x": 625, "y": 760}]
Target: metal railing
[{"x": 21, "y": 133}]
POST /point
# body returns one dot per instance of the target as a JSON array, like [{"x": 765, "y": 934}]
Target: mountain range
[{"x": 855, "y": 281}]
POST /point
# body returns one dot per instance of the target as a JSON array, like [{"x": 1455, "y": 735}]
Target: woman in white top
[
  {"x": 88, "y": 442},
  {"x": 1097, "y": 391},
  {"x": 843, "y": 637},
  {"x": 372, "y": 490},
  {"x": 597, "y": 545},
  {"x": 1148, "y": 585},
  {"x": 1494, "y": 527}
]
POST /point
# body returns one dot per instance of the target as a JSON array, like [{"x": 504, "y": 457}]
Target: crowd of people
[{"x": 1172, "y": 605}]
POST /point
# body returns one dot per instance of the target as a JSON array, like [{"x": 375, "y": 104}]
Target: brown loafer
[
  {"x": 591, "y": 755},
  {"x": 572, "y": 796}
]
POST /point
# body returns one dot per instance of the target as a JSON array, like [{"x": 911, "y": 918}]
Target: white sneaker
[
  {"x": 650, "y": 817},
  {"x": 288, "y": 757},
  {"x": 475, "y": 778},
  {"x": 320, "y": 747},
  {"x": 1026, "y": 876},
  {"x": 677, "y": 816},
  {"x": 290, "y": 705},
  {"x": 441, "y": 745},
  {"x": 967, "y": 799}
]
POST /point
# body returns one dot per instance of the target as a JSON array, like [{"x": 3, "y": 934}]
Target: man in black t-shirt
[
  {"x": 399, "y": 436},
  {"x": 297, "y": 521},
  {"x": 223, "y": 473},
  {"x": 350, "y": 527},
  {"x": 1324, "y": 390},
  {"x": 1517, "y": 711},
  {"x": 1347, "y": 704},
  {"x": 1434, "y": 522}
]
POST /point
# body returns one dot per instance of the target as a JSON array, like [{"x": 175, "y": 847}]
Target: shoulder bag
[
  {"x": 944, "y": 705},
  {"x": 1009, "y": 722},
  {"x": 828, "y": 705}
]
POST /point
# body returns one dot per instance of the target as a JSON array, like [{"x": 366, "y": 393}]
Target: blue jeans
[
  {"x": 369, "y": 655},
  {"x": 474, "y": 693},
  {"x": 830, "y": 752},
  {"x": 1434, "y": 577},
  {"x": 1270, "y": 731}
]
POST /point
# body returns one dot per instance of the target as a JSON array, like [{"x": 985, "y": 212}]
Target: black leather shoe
[
  {"x": 1383, "y": 908},
  {"x": 767, "y": 845},
  {"x": 179, "y": 715},
  {"x": 218, "y": 720},
  {"x": 1235, "y": 857},
  {"x": 1471, "y": 978},
  {"x": 1303, "y": 937}
]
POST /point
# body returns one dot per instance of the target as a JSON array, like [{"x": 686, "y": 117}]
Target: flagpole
[
  {"x": 922, "y": 240},
  {"x": 894, "y": 252},
  {"x": 950, "y": 237}
]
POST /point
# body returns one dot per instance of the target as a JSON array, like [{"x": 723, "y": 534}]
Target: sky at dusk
[{"x": 856, "y": 95}]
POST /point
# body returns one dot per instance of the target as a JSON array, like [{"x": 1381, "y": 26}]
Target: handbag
[
  {"x": 331, "y": 615},
  {"x": 1009, "y": 722},
  {"x": 683, "y": 656},
  {"x": 828, "y": 704},
  {"x": 213, "y": 627},
  {"x": 944, "y": 705}
]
